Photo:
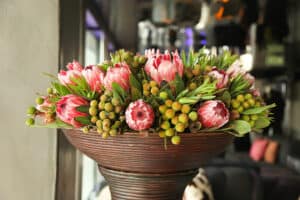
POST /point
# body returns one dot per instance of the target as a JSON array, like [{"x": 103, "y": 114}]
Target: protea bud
[
  {"x": 139, "y": 115},
  {"x": 119, "y": 74},
  {"x": 66, "y": 109},
  {"x": 213, "y": 114}
]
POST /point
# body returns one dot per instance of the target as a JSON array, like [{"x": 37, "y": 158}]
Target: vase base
[{"x": 141, "y": 186}]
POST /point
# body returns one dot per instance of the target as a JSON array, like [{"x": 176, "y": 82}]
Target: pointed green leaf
[
  {"x": 258, "y": 110},
  {"x": 118, "y": 92},
  {"x": 84, "y": 109},
  {"x": 226, "y": 98},
  {"x": 262, "y": 122},
  {"x": 240, "y": 126},
  {"x": 135, "y": 87},
  {"x": 179, "y": 84},
  {"x": 61, "y": 89},
  {"x": 83, "y": 120}
]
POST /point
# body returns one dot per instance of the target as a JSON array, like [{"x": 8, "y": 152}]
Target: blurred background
[{"x": 43, "y": 36}]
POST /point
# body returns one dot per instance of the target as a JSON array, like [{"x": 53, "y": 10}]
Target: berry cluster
[
  {"x": 150, "y": 88},
  {"x": 242, "y": 103},
  {"x": 176, "y": 117},
  {"x": 107, "y": 115}
]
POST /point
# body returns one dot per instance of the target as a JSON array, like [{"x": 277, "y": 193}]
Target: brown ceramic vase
[{"x": 140, "y": 168}]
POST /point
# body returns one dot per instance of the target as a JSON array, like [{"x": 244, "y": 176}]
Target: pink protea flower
[
  {"x": 235, "y": 69},
  {"x": 119, "y": 74},
  {"x": 161, "y": 67},
  {"x": 94, "y": 77},
  {"x": 221, "y": 76},
  {"x": 139, "y": 115},
  {"x": 74, "y": 71},
  {"x": 66, "y": 109},
  {"x": 213, "y": 114}
]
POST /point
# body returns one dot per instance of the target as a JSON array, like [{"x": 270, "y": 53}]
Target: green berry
[
  {"x": 180, "y": 127},
  {"x": 185, "y": 108},
  {"x": 31, "y": 110},
  {"x": 94, "y": 103},
  {"x": 170, "y": 132},
  {"x": 111, "y": 115},
  {"x": 254, "y": 117},
  {"x": 174, "y": 120},
  {"x": 118, "y": 109},
  {"x": 240, "y": 98},
  {"x": 99, "y": 130},
  {"x": 108, "y": 93},
  {"x": 246, "y": 118},
  {"x": 175, "y": 140},
  {"x": 252, "y": 123},
  {"x": 235, "y": 103},
  {"x": 93, "y": 111},
  {"x": 115, "y": 101},
  {"x": 113, "y": 132},
  {"x": 169, "y": 113},
  {"x": 162, "y": 109},
  {"x": 176, "y": 106},
  {"x": 85, "y": 129},
  {"x": 248, "y": 96},
  {"x": 162, "y": 134},
  {"x": 106, "y": 123},
  {"x": 165, "y": 125},
  {"x": 39, "y": 100},
  {"x": 146, "y": 86},
  {"x": 251, "y": 102},
  {"x": 108, "y": 107},
  {"x": 193, "y": 116},
  {"x": 102, "y": 115},
  {"x": 146, "y": 93},
  {"x": 29, "y": 122},
  {"x": 142, "y": 59},
  {"x": 50, "y": 90},
  {"x": 101, "y": 105},
  {"x": 169, "y": 103},
  {"x": 105, "y": 135},
  {"x": 183, "y": 118},
  {"x": 154, "y": 90},
  {"x": 240, "y": 109},
  {"x": 94, "y": 119},
  {"x": 163, "y": 95},
  {"x": 246, "y": 105},
  {"x": 99, "y": 123},
  {"x": 153, "y": 83},
  {"x": 192, "y": 86},
  {"x": 103, "y": 98}
]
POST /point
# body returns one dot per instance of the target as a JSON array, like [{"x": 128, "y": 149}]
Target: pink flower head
[
  {"x": 249, "y": 78},
  {"x": 74, "y": 71},
  {"x": 213, "y": 114},
  {"x": 66, "y": 109},
  {"x": 256, "y": 92},
  {"x": 221, "y": 76},
  {"x": 94, "y": 77},
  {"x": 119, "y": 74},
  {"x": 161, "y": 66},
  {"x": 139, "y": 115},
  {"x": 235, "y": 69}
]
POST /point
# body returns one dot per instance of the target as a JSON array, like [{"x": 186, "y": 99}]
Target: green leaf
[
  {"x": 83, "y": 120},
  {"x": 179, "y": 84},
  {"x": 262, "y": 122},
  {"x": 135, "y": 87},
  {"x": 226, "y": 98},
  {"x": 183, "y": 57},
  {"x": 258, "y": 110},
  {"x": 57, "y": 124},
  {"x": 118, "y": 92},
  {"x": 182, "y": 94},
  {"x": 61, "y": 89},
  {"x": 84, "y": 109},
  {"x": 240, "y": 126}
]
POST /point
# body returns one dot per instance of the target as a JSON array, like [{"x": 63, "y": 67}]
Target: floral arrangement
[{"x": 163, "y": 93}]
